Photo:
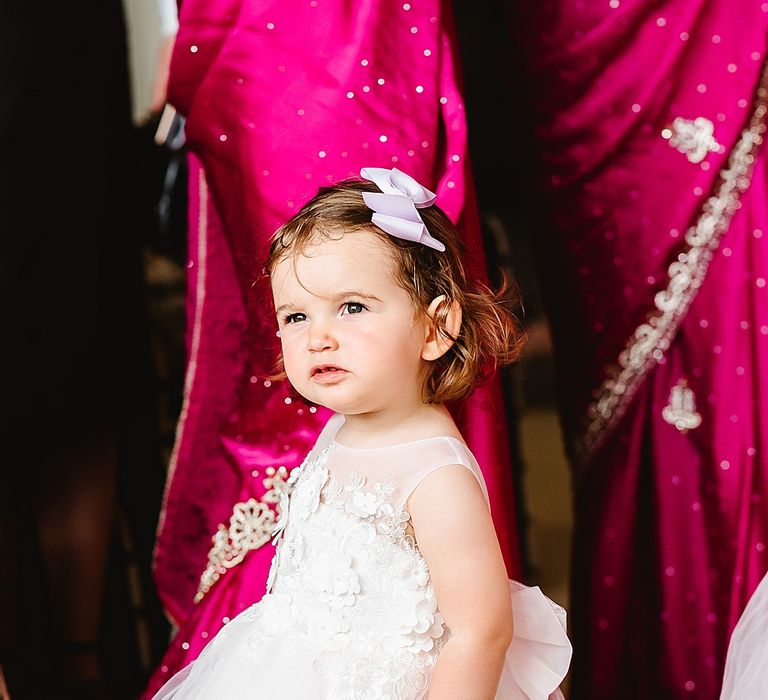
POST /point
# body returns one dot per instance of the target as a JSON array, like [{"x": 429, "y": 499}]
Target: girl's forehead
[{"x": 348, "y": 260}]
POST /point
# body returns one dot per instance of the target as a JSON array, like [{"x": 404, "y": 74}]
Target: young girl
[{"x": 387, "y": 581}]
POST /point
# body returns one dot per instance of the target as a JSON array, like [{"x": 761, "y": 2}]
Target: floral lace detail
[
  {"x": 370, "y": 505},
  {"x": 317, "y": 476},
  {"x": 304, "y": 504},
  {"x": 249, "y": 528},
  {"x": 306, "y": 499},
  {"x": 346, "y": 578},
  {"x": 334, "y": 579},
  {"x": 355, "y": 678},
  {"x": 692, "y": 137},
  {"x": 681, "y": 409}
]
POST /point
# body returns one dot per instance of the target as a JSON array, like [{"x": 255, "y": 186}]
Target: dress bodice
[{"x": 354, "y": 576}]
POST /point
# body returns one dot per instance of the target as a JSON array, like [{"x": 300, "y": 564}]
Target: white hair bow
[{"x": 396, "y": 207}]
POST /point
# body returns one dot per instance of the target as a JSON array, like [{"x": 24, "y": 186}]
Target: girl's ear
[{"x": 436, "y": 342}]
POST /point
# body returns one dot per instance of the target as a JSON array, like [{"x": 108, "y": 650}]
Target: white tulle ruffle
[
  {"x": 746, "y": 668},
  {"x": 540, "y": 653}
]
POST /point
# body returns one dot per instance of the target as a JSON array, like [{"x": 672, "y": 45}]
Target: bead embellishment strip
[
  {"x": 686, "y": 274},
  {"x": 250, "y": 526}
]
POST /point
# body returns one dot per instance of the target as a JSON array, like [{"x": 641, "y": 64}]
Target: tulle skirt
[{"x": 244, "y": 664}]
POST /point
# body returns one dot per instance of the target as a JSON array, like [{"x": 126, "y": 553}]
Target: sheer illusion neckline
[{"x": 336, "y": 444}]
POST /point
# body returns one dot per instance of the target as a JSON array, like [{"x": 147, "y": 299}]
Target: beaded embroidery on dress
[{"x": 350, "y": 612}]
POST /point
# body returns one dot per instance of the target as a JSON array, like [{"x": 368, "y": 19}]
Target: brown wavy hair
[{"x": 490, "y": 335}]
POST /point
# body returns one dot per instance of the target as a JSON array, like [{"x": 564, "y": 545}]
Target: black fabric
[{"x": 71, "y": 303}]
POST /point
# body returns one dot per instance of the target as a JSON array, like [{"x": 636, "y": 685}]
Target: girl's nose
[{"x": 321, "y": 340}]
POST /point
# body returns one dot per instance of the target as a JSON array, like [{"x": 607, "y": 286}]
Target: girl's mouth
[{"x": 327, "y": 374}]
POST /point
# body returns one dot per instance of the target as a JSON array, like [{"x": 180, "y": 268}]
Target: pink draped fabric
[
  {"x": 282, "y": 98},
  {"x": 659, "y": 212}
]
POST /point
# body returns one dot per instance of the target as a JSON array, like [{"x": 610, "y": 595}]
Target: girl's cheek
[
  {"x": 292, "y": 370},
  {"x": 290, "y": 335},
  {"x": 292, "y": 344}
]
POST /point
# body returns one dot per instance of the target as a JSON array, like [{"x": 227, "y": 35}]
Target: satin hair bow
[{"x": 396, "y": 206}]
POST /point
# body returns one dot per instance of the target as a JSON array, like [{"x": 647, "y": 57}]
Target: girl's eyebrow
[
  {"x": 284, "y": 307},
  {"x": 355, "y": 293},
  {"x": 334, "y": 298}
]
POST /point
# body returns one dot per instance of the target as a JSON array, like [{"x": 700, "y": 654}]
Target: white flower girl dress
[{"x": 350, "y": 612}]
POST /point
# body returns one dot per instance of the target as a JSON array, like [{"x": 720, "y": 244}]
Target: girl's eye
[
  {"x": 353, "y": 307},
  {"x": 294, "y": 318}
]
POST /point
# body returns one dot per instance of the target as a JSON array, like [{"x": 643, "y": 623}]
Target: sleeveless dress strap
[
  {"x": 327, "y": 434},
  {"x": 440, "y": 452}
]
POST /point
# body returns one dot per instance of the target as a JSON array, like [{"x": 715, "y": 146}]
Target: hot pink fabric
[
  {"x": 282, "y": 98},
  {"x": 671, "y": 527}
]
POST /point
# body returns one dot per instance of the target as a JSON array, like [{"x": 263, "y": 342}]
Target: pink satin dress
[{"x": 651, "y": 119}]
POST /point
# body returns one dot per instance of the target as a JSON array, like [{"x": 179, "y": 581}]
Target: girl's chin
[
  {"x": 323, "y": 400},
  {"x": 340, "y": 405},
  {"x": 339, "y": 399}
]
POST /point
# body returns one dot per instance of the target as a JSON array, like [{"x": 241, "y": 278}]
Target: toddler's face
[{"x": 351, "y": 338}]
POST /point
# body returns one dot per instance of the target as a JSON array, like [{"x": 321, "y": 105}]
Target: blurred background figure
[
  {"x": 280, "y": 99},
  {"x": 650, "y": 120},
  {"x": 81, "y": 480}
]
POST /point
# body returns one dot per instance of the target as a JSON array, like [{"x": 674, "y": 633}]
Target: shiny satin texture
[
  {"x": 282, "y": 98},
  {"x": 659, "y": 212}
]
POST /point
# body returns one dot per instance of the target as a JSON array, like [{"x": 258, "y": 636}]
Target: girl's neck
[{"x": 397, "y": 425}]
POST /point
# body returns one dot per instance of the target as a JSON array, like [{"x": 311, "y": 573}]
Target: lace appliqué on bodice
[{"x": 348, "y": 578}]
